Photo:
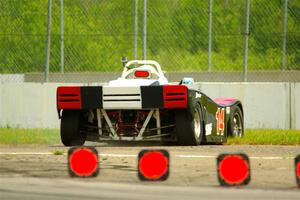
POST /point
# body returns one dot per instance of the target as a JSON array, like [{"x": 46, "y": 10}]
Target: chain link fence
[
  {"x": 203, "y": 36},
  {"x": 22, "y": 36},
  {"x": 96, "y": 34}
]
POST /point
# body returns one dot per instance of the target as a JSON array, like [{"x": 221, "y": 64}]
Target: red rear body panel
[
  {"x": 69, "y": 97},
  {"x": 175, "y": 96}
]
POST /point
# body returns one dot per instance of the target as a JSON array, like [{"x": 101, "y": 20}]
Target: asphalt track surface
[{"x": 34, "y": 172}]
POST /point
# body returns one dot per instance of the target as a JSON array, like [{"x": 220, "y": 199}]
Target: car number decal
[{"x": 220, "y": 121}]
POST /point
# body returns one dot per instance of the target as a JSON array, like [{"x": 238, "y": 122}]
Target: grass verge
[
  {"x": 13, "y": 136},
  {"x": 58, "y": 152},
  {"x": 268, "y": 137}
]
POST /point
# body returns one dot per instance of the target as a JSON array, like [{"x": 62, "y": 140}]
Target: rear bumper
[{"x": 113, "y": 98}]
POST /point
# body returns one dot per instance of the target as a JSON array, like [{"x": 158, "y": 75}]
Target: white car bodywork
[{"x": 127, "y": 78}]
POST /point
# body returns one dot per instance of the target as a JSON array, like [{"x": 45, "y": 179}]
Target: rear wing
[{"x": 121, "y": 98}]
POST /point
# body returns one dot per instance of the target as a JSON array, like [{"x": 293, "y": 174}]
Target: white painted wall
[
  {"x": 28, "y": 105},
  {"x": 296, "y": 109},
  {"x": 12, "y": 78},
  {"x": 266, "y": 105}
]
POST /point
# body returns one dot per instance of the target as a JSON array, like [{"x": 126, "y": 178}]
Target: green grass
[
  {"x": 13, "y": 136},
  {"x": 268, "y": 137},
  {"x": 58, "y": 152}
]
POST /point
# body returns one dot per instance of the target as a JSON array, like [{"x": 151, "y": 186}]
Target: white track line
[
  {"x": 133, "y": 155},
  {"x": 271, "y": 158},
  {"x": 26, "y": 153},
  {"x": 117, "y": 155},
  {"x": 194, "y": 156},
  {"x": 251, "y": 157}
]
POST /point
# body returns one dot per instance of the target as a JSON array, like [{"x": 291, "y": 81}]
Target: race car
[{"x": 143, "y": 105}]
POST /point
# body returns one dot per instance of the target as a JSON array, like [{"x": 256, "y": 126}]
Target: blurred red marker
[
  {"x": 297, "y": 169},
  {"x": 83, "y": 162},
  {"x": 153, "y": 165},
  {"x": 233, "y": 169}
]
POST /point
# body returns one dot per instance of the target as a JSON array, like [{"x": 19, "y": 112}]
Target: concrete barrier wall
[
  {"x": 12, "y": 78},
  {"x": 28, "y": 105},
  {"x": 296, "y": 109},
  {"x": 266, "y": 105}
]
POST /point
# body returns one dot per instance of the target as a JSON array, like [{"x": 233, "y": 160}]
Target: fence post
[
  {"x": 48, "y": 42},
  {"x": 62, "y": 36},
  {"x": 209, "y": 34},
  {"x": 144, "y": 29},
  {"x": 246, "y": 37},
  {"x": 283, "y": 59},
  {"x": 135, "y": 29}
]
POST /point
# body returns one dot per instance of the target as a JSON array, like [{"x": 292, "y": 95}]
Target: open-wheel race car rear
[{"x": 142, "y": 105}]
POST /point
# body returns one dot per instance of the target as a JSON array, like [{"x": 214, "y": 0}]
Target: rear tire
[
  {"x": 189, "y": 132},
  {"x": 236, "y": 123},
  {"x": 70, "y": 128}
]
